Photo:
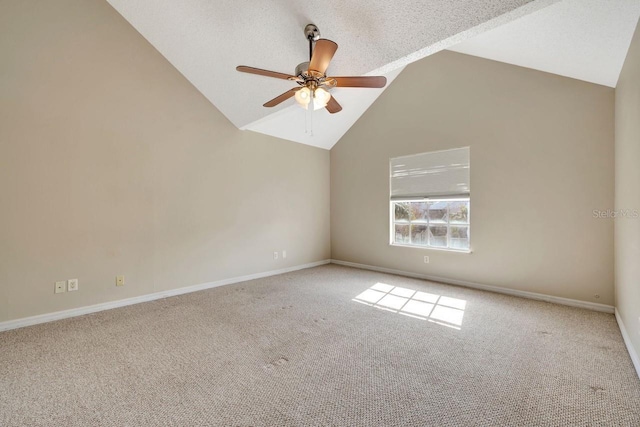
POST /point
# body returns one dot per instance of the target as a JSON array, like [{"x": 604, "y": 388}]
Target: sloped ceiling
[
  {"x": 206, "y": 39},
  {"x": 582, "y": 39}
]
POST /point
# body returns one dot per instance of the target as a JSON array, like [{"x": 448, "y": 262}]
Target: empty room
[{"x": 288, "y": 213}]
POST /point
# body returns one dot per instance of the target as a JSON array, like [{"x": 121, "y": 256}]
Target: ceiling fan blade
[
  {"x": 266, "y": 73},
  {"x": 363, "y": 81},
  {"x": 322, "y": 54},
  {"x": 281, "y": 98},
  {"x": 333, "y": 106}
]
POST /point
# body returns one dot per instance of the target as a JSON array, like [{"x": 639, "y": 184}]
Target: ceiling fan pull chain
[
  {"x": 306, "y": 122},
  {"x": 308, "y": 117},
  {"x": 311, "y": 108}
]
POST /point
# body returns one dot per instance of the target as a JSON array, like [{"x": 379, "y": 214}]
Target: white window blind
[{"x": 431, "y": 175}]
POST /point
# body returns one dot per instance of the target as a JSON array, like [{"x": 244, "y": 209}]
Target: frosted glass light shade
[{"x": 320, "y": 98}]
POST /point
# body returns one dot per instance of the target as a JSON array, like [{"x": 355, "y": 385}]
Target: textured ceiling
[
  {"x": 582, "y": 39},
  {"x": 205, "y": 40}
]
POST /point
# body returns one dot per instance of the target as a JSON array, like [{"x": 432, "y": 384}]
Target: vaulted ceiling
[
  {"x": 206, "y": 39},
  {"x": 582, "y": 39}
]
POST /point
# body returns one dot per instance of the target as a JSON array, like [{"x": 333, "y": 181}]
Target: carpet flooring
[{"x": 328, "y": 346}]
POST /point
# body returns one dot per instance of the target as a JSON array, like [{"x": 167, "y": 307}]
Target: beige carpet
[{"x": 297, "y": 350}]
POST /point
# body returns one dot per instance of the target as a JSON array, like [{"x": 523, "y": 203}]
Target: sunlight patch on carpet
[{"x": 443, "y": 310}]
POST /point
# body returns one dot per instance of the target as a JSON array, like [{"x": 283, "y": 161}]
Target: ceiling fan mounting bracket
[{"x": 312, "y": 33}]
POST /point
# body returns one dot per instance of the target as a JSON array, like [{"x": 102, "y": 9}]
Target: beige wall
[
  {"x": 627, "y": 230},
  {"x": 542, "y": 160},
  {"x": 112, "y": 163}
]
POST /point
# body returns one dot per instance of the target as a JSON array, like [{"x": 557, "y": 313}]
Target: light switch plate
[{"x": 72, "y": 285}]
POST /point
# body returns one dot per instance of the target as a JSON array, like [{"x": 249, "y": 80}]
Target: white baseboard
[
  {"x": 514, "y": 292},
  {"x": 627, "y": 341},
  {"x": 50, "y": 317}
]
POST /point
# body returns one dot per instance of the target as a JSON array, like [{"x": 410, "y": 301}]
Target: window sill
[{"x": 458, "y": 251}]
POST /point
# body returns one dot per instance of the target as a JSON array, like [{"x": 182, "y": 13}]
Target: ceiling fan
[{"x": 314, "y": 84}]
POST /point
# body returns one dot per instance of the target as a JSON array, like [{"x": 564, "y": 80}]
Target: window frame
[{"x": 448, "y": 224}]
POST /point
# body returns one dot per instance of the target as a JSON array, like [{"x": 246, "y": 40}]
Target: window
[
  {"x": 430, "y": 200},
  {"x": 436, "y": 224}
]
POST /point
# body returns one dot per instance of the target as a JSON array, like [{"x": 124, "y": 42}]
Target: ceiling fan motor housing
[{"x": 301, "y": 69}]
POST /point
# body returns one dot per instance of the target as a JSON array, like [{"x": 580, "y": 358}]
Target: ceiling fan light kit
[
  {"x": 319, "y": 99},
  {"x": 314, "y": 88}
]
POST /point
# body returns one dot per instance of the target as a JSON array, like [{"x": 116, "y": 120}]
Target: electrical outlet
[
  {"x": 284, "y": 254},
  {"x": 119, "y": 280},
  {"x": 60, "y": 287},
  {"x": 426, "y": 259},
  {"x": 275, "y": 255},
  {"x": 72, "y": 285}
]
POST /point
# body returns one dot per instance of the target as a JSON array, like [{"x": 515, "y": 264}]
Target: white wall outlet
[
  {"x": 119, "y": 280},
  {"x": 275, "y": 255},
  {"x": 426, "y": 259},
  {"x": 61, "y": 287},
  {"x": 284, "y": 254},
  {"x": 72, "y": 285}
]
